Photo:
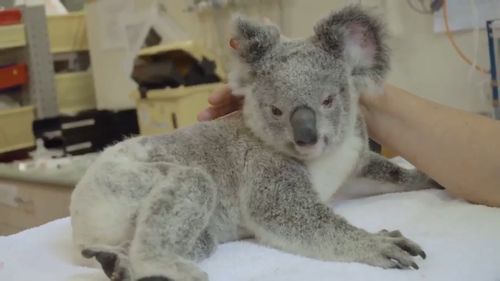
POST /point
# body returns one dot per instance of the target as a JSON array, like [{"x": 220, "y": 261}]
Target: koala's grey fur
[{"x": 150, "y": 207}]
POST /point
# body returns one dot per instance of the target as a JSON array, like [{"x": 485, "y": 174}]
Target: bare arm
[{"x": 460, "y": 150}]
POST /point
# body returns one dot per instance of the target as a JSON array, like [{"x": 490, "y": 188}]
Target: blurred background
[{"x": 79, "y": 75}]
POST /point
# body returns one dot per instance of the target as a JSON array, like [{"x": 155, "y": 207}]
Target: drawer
[{"x": 24, "y": 205}]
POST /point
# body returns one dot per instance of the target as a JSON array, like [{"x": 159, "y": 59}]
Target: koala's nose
[{"x": 303, "y": 121}]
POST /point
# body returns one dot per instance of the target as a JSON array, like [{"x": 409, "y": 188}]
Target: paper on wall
[
  {"x": 111, "y": 15},
  {"x": 461, "y": 14}
]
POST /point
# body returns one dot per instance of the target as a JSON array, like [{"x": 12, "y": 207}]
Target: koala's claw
[
  {"x": 114, "y": 266},
  {"x": 393, "y": 250},
  {"x": 411, "y": 247}
]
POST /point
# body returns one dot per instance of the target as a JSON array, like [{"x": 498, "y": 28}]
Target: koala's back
[{"x": 216, "y": 147}]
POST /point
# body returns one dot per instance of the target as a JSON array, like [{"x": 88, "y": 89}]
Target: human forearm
[{"x": 460, "y": 150}]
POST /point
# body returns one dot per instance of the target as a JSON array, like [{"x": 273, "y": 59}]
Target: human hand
[{"x": 221, "y": 102}]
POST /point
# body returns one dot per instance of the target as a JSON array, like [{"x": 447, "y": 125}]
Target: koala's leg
[
  {"x": 283, "y": 211},
  {"x": 379, "y": 176},
  {"x": 172, "y": 227},
  {"x": 105, "y": 203}
]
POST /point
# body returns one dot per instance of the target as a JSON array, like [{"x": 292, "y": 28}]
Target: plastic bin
[
  {"x": 13, "y": 75},
  {"x": 67, "y": 33},
  {"x": 75, "y": 92},
  {"x": 10, "y": 16},
  {"x": 16, "y": 128},
  {"x": 12, "y": 36},
  {"x": 163, "y": 111}
]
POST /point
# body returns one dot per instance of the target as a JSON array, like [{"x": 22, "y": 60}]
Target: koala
[{"x": 150, "y": 207}]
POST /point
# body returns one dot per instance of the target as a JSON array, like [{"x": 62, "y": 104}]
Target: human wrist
[
  {"x": 377, "y": 111},
  {"x": 378, "y": 100}
]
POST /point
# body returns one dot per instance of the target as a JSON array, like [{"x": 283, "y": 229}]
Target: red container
[
  {"x": 10, "y": 16},
  {"x": 13, "y": 75}
]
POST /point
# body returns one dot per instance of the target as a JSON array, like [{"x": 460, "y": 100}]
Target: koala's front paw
[
  {"x": 390, "y": 249},
  {"x": 426, "y": 182},
  {"x": 114, "y": 264}
]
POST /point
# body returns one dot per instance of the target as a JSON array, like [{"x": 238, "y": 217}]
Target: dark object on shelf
[
  {"x": 89, "y": 131},
  {"x": 201, "y": 73},
  {"x": 172, "y": 69},
  {"x": 156, "y": 75}
]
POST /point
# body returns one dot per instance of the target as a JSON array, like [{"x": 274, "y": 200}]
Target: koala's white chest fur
[{"x": 330, "y": 171}]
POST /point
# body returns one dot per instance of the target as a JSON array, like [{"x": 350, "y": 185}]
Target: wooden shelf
[{"x": 12, "y": 36}]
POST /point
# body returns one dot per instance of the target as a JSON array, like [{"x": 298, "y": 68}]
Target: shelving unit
[
  {"x": 25, "y": 37},
  {"x": 47, "y": 94},
  {"x": 75, "y": 90}
]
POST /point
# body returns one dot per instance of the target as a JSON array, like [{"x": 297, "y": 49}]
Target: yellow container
[
  {"x": 67, "y": 33},
  {"x": 16, "y": 128},
  {"x": 75, "y": 92},
  {"x": 166, "y": 110},
  {"x": 12, "y": 36}
]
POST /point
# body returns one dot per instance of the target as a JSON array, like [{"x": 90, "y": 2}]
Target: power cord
[{"x": 459, "y": 51}]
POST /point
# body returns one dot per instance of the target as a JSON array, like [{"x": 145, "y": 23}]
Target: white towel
[{"x": 462, "y": 242}]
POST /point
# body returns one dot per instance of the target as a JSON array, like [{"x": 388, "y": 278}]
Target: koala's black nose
[{"x": 303, "y": 120}]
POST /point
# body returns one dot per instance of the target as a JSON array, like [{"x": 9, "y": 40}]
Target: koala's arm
[
  {"x": 284, "y": 211},
  {"x": 378, "y": 175}
]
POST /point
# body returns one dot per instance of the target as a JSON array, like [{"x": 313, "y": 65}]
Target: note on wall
[{"x": 467, "y": 14}]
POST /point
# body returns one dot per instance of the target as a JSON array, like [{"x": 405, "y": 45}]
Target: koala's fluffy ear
[
  {"x": 251, "y": 40},
  {"x": 357, "y": 37}
]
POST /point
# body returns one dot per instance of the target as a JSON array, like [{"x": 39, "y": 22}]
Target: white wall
[{"x": 422, "y": 62}]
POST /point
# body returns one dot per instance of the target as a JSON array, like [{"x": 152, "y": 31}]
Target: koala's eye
[
  {"x": 328, "y": 102},
  {"x": 276, "y": 111}
]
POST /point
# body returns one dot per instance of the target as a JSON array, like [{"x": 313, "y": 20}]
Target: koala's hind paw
[
  {"x": 390, "y": 249},
  {"x": 115, "y": 265}
]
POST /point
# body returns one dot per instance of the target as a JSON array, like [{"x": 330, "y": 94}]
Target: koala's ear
[
  {"x": 251, "y": 40},
  {"x": 357, "y": 37}
]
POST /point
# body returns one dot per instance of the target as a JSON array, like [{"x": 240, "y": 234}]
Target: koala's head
[{"x": 301, "y": 95}]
